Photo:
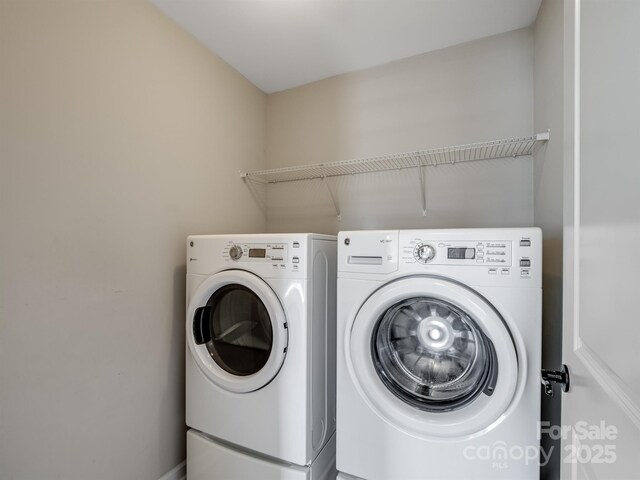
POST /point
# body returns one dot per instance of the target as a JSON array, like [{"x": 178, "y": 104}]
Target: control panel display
[
  {"x": 461, "y": 253},
  {"x": 481, "y": 253},
  {"x": 257, "y": 252}
]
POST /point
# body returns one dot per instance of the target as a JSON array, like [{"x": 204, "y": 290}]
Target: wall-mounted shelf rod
[{"x": 512, "y": 147}]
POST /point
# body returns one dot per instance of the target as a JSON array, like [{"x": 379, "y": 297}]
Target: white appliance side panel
[
  {"x": 324, "y": 466},
  {"x": 321, "y": 343}
]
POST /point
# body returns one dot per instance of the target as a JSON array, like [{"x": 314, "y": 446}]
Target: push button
[
  {"x": 525, "y": 262},
  {"x": 493, "y": 271},
  {"x": 295, "y": 260}
]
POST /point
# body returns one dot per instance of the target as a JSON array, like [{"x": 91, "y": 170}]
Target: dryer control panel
[
  {"x": 256, "y": 252},
  {"x": 267, "y": 255},
  {"x": 276, "y": 254}
]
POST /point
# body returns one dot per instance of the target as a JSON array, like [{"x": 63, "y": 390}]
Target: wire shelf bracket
[
  {"x": 253, "y": 184},
  {"x": 423, "y": 190},
  {"x": 490, "y": 150},
  {"x": 333, "y": 198}
]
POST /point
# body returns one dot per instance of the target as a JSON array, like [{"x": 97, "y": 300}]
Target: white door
[
  {"x": 602, "y": 242},
  {"x": 236, "y": 331},
  {"x": 434, "y": 358}
]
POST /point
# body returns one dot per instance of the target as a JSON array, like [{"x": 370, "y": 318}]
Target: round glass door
[
  {"x": 236, "y": 331},
  {"x": 241, "y": 333},
  {"x": 432, "y": 355},
  {"x": 434, "y": 358}
]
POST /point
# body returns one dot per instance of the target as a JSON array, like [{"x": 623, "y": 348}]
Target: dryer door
[
  {"x": 434, "y": 357},
  {"x": 236, "y": 331}
]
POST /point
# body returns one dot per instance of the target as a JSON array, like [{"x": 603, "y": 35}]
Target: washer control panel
[{"x": 477, "y": 252}]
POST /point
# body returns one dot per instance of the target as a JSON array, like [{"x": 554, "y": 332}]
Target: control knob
[
  {"x": 235, "y": 252},
  {"x": 424, "y": 253}
]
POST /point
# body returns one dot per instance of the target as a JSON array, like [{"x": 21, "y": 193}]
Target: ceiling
[{"x": 280, "y": 44}]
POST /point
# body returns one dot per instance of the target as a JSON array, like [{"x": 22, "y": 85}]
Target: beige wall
[
  {"x": 482, "y": 90},
  {"x": 548, "y": 180},
  {"x": 120, "y": 135}
]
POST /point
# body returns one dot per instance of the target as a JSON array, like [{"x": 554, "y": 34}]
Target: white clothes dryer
[
  {"x": 260, "y": 359},
  {"x": 439, "y": 345}
]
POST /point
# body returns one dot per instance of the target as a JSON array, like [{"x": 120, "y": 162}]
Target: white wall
[
  {"x": 482, "y": 90},
  {"x": 549, "y": 113},
  {"x": 548, "y": 183},
  {"x": 602, "y": 232},
  {"x": 119, "y": 136}
]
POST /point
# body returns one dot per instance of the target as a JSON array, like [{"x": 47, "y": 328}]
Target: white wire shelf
[{"x": 512, "y": 147}]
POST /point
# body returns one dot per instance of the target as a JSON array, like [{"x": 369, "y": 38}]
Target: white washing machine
[
  {"x": 439, "y": 344},
  {"x": 260, "y": 359}
]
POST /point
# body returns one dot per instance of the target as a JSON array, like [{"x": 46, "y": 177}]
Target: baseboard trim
[{"x": 179, "y": 472}]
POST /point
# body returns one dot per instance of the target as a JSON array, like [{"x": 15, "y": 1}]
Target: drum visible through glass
[
  {"x": 431, "y": 354},
  {"x": 241, "y": 330}
]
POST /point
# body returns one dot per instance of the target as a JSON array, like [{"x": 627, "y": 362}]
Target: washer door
[
  {"x": 433, "y": 357},
  {"x": 236, "y": 331}
]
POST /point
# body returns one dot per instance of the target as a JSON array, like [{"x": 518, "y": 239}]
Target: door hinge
[{"x": 555, "y": 376}]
